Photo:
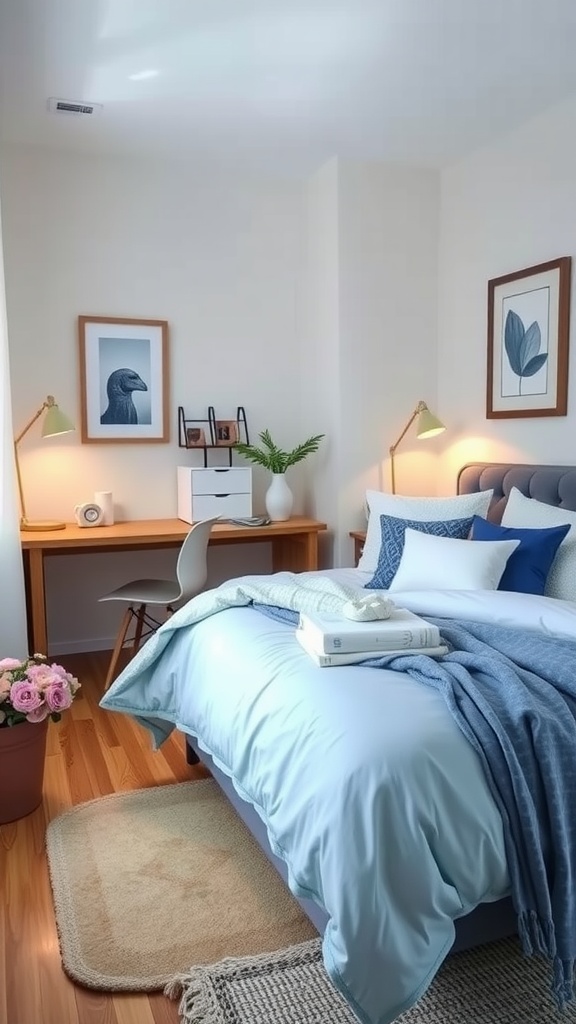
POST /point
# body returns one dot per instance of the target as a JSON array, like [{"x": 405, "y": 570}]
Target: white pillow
[
  {"x": 442, "y": 563},
  {"x": 528, "y": 513},
  {"x": 422, "y": 510}
]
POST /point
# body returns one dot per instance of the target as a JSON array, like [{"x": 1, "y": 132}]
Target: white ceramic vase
[{"x": 279, "y": 499}]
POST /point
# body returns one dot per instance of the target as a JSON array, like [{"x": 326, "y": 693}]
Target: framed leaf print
[{"x": 528, "y": 335}]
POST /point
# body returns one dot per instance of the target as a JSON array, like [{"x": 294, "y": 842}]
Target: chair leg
[
  {"x": 140, "y": 613},
  {"x": 120, "y": 639}
]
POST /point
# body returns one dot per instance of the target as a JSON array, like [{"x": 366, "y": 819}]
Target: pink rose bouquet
[{"x": 32, "y": 690}]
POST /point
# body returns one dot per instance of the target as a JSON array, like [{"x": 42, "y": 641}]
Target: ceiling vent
[{"x": 57, "y": 106}]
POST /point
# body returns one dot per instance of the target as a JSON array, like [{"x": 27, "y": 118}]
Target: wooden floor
[{"x": 91, "y": 752}]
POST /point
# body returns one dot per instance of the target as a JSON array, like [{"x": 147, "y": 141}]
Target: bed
[{"x": 310, "y": 788}]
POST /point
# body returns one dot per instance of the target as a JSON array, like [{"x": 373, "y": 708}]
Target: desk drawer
[
  {"x": 229, "y": 480},
  {"x": 226, "y": 505}
]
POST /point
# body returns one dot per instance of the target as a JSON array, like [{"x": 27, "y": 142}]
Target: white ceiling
[{"x": 283, "y": 85}]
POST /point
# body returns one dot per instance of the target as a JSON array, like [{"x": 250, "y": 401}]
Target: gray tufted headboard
[{"x": 554, "y": 485}]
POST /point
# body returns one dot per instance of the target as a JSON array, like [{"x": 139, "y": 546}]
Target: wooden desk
[{"x": 294, "y": 548}]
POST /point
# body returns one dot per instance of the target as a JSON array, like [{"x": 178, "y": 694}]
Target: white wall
[
  {"x": 319, "y": 326},
  {"x": 218, "y": 258},
  {"x": 511, "y": 205},
  {"x": 312, "y": 305},
  {"x": 370, "y": 327},
  {"x": 388, "y": 267}
]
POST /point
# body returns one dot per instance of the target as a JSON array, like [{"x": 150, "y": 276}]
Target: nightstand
[{"x": 359, "y": 537}]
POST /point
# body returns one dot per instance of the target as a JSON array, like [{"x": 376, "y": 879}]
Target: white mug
[{"x": 104, "y": 499}]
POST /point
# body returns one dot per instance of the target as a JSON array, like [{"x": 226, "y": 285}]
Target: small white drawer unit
[{"x": 217, "y": 491}]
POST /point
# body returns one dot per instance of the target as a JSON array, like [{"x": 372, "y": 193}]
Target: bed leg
[{"x": 191, "y": 755}]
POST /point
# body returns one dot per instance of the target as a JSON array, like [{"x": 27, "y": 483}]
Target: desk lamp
[
  {"x": 428, "y": 426},
  {"x": 55, "y": 422}
]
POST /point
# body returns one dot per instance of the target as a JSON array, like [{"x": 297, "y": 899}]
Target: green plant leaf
[
  {"x": 273, "y": 458},
  {"x": 303, "y": 450}
]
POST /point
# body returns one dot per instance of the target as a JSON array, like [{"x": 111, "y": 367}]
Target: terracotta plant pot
[{"x": 22, "y": 750}]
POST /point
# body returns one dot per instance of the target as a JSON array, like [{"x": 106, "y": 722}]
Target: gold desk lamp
[
  {"x": 428, "y": 426},
  {"x": 55, "y": 422}
]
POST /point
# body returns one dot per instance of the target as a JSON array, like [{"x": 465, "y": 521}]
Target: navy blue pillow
[
  {"x": 392, "y": 546},
  {"x": 528, "y": 566}
]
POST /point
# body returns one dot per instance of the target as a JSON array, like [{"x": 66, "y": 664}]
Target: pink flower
[
  {"x": 57, "y": 696},
  {"x": 74, "y": 685},
  {"x": 34, "y": 689},
  {"x": 6, "y": 664},
  {"x": 39, "y": 714},
  {"x": 59, "y": 671},
  {"x": 41, "y": 676},
  {"x": 67, "y": 678},
  {"x": 5, "y": 684},
  {"x": 24, "y": 696}
]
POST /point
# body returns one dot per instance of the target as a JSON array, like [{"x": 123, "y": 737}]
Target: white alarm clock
[{"x": 89, "y": 514}]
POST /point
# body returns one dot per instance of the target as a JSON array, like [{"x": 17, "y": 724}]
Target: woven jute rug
[
  {"x": 493, "y": 984},
  {"x": 150, "y": 882}
]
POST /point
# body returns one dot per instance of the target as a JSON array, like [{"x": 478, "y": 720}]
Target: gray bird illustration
[{"x": 121, "y": 408}]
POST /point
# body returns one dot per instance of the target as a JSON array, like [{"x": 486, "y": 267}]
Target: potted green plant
[{"x": 279, "y": 498}]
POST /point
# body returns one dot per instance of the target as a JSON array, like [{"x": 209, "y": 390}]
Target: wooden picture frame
[
  {"x": 227, "y": 433},
  {"x": 195, "y": 437},
  {"x": 528, "y": 341},
  {"x": 124, "y": 387}
]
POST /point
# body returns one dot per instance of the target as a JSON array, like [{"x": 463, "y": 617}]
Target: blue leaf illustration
[
  {"x": 522, "y": 347},
  {"x": 513, "y": 338},
  {"x": 534, "y": 364},
  {"x": 530, "y": 346}
]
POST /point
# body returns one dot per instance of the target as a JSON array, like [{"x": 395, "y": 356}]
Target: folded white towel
[{"x": 368, "y": 608}]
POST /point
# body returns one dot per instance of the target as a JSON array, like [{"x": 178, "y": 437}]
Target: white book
[
  {"x": 334, "y": 634},
  {"x": 354, "y": 658}
]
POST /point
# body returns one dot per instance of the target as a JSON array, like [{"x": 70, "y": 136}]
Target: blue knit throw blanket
[{"x": 512, "y": 692}]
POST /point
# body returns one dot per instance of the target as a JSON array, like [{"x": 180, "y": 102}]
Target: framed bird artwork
[{"x": 123, "y": 380}]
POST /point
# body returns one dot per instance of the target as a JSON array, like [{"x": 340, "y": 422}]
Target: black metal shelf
[{"x": 212, "y": 434}]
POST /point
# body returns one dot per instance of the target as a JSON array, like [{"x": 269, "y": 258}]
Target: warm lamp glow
[
  {"x": 428, "y": 426},
  {"x": 55, "y": 422}
]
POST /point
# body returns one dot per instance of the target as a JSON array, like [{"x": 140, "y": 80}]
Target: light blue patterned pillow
[{"x": 392, "y": 546}]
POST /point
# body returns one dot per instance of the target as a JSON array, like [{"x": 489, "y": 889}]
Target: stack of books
[{"x": 334, "y": 640}]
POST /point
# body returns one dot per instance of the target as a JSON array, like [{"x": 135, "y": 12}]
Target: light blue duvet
[{"x": 370, "y": 793}]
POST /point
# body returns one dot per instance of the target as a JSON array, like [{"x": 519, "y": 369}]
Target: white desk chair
[{"x": 191, "y": 575}]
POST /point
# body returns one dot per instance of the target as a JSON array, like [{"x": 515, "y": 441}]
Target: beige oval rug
[{"x": 150, "y": 882}]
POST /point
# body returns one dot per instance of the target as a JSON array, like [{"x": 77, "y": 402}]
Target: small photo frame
[
  {"x": 528, "y": 339},
  {"x": 123, "y": 380},
  {"x": 226, "y": 432},
  {"x": 195, "y": 437}
]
